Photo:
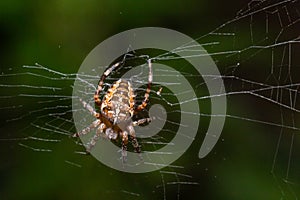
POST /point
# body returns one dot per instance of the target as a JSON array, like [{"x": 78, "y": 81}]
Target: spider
[{"x": 117, "y": 108}]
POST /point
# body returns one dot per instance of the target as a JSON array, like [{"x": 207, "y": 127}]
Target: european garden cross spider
[{"x": 116, "y": 111}]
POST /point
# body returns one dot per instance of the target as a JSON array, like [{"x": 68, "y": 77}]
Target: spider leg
[
  {"x": 87, "y": 129},
  {"x": 89, "y": 108},
  {"x": 159, "y": 91},
  {"x": 124, "y": 146},
  {"x": 141, "y": 121},
  {"x": 148, "y": 90},
  {"x": 135, "y": 143},
  {"x": 103, "y": 77},
  {"x": 95, "y": 138}
]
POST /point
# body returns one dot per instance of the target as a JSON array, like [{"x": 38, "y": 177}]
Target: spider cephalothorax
[{"x": 117, "y": 109}]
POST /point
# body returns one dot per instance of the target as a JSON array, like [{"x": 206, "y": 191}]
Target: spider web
[{"x": 258, "y": 153}]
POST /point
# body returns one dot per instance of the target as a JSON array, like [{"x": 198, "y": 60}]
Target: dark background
[{"x": 59, "y": 34}]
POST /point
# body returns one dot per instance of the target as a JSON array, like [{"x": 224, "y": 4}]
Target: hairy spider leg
[
  {"x": 95, "y": 138},
  {"x": 89, "y": 108},
  {"x": 124, "y": 146},
  {"x": 135, "y": 143},
  {"x": 101, "y": 82},
  {"x": 141, "y": 121},
  {"x": 93, "y": 125},
  {"x": 88, "y": 129},
  {"x": 148, "y": 90}
]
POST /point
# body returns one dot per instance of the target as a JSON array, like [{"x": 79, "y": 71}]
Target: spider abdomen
[{"x": 118, "y": 103}]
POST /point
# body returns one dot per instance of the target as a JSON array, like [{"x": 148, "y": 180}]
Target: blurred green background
[{"x": 60, "y": 33}]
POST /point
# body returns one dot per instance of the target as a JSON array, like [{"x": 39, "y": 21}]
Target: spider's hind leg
[
  {"x": 87, "y": 129},
  {"x": 124, "y": 146},
  {"x": 106, "y": 73},
  {"x": 95, "y": 138},
  {"x": 135, "y": 143},
  {"x": 148, "y": 90}
]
